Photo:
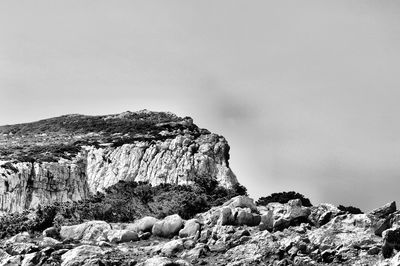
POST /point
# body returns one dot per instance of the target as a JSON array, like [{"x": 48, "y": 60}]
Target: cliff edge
[{"x": 68, "y": 158}]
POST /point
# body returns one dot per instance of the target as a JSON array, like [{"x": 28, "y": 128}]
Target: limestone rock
[
  {"x": 322, "y": 213},
  {"x": 191, "y": 229},
  {"x": 144, "y": 224},
  {"x": 385, "y": 210},
  {"x": 175, "y": 152},
  {"x": 18, "y": 238},
  {"x": 157, "y": 261},
  {"x": 51, "y": 232},
  {"x": 88, "y": 231},
  {"x": 119, "y": 236},
  {"x": 49, "y": 242},
  {"x": 168, "y": 227},
  {"x": 80, "y": 255},
  {"x": 245, "y": 217},
  {"x": 350, "y": 230},
  {"x": 267, "y": 221},
  {"x": 241, "y": 202},
  {"x": 391, "y": 240},
  {"x": 172, "y": 247}
]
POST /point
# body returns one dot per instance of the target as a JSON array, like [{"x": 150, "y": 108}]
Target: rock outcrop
[
  {"x": 346, "y": 239},
  {"x": 64, "y": 165}
]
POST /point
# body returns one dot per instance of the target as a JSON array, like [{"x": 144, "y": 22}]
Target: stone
[
  {"x": 144, "y": 224},
  {"x": 189, "y": 244},
  {"x": 267, "y": 221},
  {"x": 88, "y": 231},
  {"x": 172, "y": 247},
  {"x": 322, "y": 213},
  {"x": 391, "y": 240},
  {"x": 241, "y": 202},
  {"x": 80, "y": 255},
  {"x": 190, "y": 229},
  {"x": 21, "y": 248},
  {"x": 49, "y": 242},
  {"x": 350, "y": 230},
  {"x": 246, "y": 218},
  {"x": 119, "y": 236},
  {"x": 31, "y": 259},
  {"x": 168, "y": 227},
  {"x": 157, "y": 261},
  {"x": 18, "y": 238},
  {"x": 226, "y": 216},
  {"x": 195, "y": 253},
  {"x": 145, "y": 236},
  {"x": 385, "y": 210},
  {"x": 51, "y": 232}
]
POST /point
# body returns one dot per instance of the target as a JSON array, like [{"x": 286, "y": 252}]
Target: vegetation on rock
[
  {"x": 350, "y": 209},
  {"x": 49, "y": 140},
  {"x": 124, "y": 202},
  {"x": 283, "y": 197}
]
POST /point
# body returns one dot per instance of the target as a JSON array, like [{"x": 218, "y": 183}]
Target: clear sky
[{"x": 306, "y": 92}]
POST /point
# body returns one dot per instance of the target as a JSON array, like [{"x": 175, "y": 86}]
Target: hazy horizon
[{"x": 306, "y": 93}]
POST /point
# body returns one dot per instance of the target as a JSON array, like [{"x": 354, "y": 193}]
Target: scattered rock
[
  {"x": 119, "y": 236},
  {"x": 144, "y": 224},
  {"x": 191, "y": 229},
  {"x": 172, "y": 247},
  {"x": 88, "y": 231},
  {"x": 241, "y": 202},
  {"x": 157, "y": 261},
  {"x": 51, "y": 232},
  {"x": 391, "y": 240},
  {"x": 168, "y": 227},
  {"x": 80, "y": 255},
  {"x": 385, "y": 210}
]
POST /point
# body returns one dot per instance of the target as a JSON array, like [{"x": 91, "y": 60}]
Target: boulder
[
  {"x": 21, "y": 248},
  {"x": 157, "y": 261},
  {"x": 144, "y": 224},
  {"x": 88, "y": 231},
  {"x": 391, "y": 240},
  {"x": 385, "y": 210},
  {"x": 267, "y": 221},
  {"x": 168, "y": 227},
  {"x": 350, "y": 230},
  {"x": 30, "y": 259},
  {"x": 18, "y": 238},
  {"x": 322, "y": 213},
  {"x": 172, "y": 247},
  {"x": 241, "y": 202},
  {"x": 80, "y": 255},
  {"x": 51, "y": 232},
  {"x": 195, "y": 253},
  {"x": 119, "y": 236},
  {"x": 225, "y": 216},
  {"x": 246, "y": 218},
  {"x": 191, "y": 228},
  {"x": 49, "y": 242}
]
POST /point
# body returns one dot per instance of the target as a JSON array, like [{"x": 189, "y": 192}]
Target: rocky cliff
[{"x": 69, "y": 157}]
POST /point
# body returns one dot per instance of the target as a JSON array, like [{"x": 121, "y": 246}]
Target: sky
[{"x": 306, "y": 92}]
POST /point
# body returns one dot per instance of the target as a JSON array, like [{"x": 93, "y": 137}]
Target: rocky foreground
[{"x": 236, "y": 233}]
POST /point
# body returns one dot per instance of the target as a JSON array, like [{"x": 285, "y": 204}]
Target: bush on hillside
[
  {"x": 283, "y": 197},
  {"x": 124, "y": 202},
  {"x": 350, "y": 209}
]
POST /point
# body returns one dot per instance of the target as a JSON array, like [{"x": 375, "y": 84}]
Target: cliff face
[{"x": 66, "y": 166}]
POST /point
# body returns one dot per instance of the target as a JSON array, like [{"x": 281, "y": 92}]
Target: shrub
[
  {"x": 350, "y": 209},
  {"x": 283, "y": 197}
]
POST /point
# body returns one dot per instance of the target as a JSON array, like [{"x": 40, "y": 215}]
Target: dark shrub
[
  {"x": 350, "y": 209},
  {"x": 283, "y": 197}
]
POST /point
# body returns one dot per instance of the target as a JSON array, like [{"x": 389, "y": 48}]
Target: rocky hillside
[
  {"x": 236, "y": 233},
  {"x": 70, "y": 157}
]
